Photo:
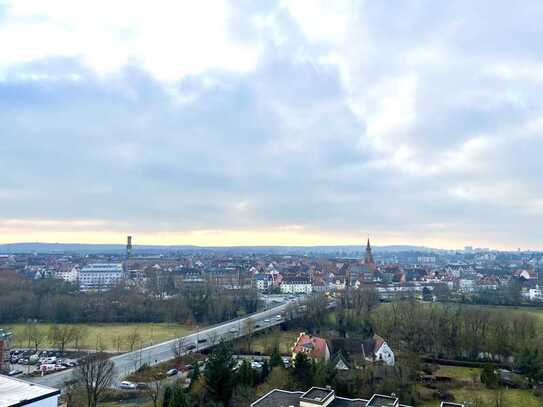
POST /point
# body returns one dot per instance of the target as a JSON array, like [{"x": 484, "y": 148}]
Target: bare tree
[
  {"x": 95, "y": 374},
  {"x": 35, "y": 335},
  {"x": 178, "y": 347},
  {"x": 154, "y": 389},
  {"x": 248, "y": 331},
  {"x": 79, "y": 333},
  {"x": 60, "y": 335},
  {"x": 118, "y": 342},
  {"x": 213, "y": 338},
  {"x": 133, "y": 338}
]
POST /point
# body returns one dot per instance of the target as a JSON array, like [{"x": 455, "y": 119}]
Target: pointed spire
[{"x": 368, "y": 257}]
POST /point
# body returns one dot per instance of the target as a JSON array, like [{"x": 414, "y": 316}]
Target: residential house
[
  {"x": 314, "y": 347},
  {"x": 354, "y": 353}
]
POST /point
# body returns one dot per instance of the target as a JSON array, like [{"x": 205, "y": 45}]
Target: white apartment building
[
  {"x": 100, "y": 276},
  {"x": 70, "y": 274},
  {"x": 296, "y": 286}
]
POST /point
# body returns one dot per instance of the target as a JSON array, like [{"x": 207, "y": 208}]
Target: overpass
[{"x": 128, "y": 363}]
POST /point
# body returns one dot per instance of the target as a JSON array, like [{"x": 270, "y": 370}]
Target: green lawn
[
  {"x": 264, "y": 342},
  {"x": 510, "y": 397},
  {"x": 459, "y": 373},
  {"x": 474, "y": 391},
  {"x": 113, "y": 337}
]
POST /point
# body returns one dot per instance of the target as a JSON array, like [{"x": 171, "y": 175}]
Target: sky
[{"x": 272, "y": 122}]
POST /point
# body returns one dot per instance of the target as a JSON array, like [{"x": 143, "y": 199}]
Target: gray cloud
[{"x": 294, "y": 141}]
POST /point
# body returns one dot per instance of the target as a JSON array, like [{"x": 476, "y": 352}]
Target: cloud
[{"x": 404, "y": 121}]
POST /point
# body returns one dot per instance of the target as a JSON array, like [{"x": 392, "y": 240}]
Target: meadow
[{"x": 111, "y": 337}]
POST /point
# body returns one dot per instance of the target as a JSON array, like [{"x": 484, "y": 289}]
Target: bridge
[{"x": 128, "y": 363}]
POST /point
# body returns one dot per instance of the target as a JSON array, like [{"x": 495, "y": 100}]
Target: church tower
[{"x": 368, "y": 256}]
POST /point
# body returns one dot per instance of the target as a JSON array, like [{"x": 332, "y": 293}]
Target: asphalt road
[{"x": 129, "y": 362}]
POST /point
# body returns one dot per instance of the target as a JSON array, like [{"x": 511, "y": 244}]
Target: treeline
[
  {"x": 452, "y": 331},
  {"x": 60, "y": 302}
]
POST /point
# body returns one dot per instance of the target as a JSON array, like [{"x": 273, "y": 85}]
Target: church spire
[{"x": 368, "y": 257}]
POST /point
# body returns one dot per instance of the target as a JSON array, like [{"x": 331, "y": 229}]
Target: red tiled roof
[{"x": 313, "y": 346}]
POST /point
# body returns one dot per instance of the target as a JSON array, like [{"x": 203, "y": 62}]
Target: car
[
  {"x": 267, "y": 320},
  {"x": 257, "y": 326},
  {"x": 233, "y": 330},
  {"x": 278, "y": 317},
  {"x": 190, "y": 347},
  {"x": 142, "y": 386},
  {"x": 256, "y": 365},
  {"x": 171, "y": 372},
  {"x": 202, "y": 340},
  {"x": 15, "y": 372},
  {"x": 128, "y": 385}
]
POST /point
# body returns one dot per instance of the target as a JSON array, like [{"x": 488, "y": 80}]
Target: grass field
[
  {"x": 113, "y": 337},
  {"x": 473, "y": 391},
  {"x": 265, "y": 341}
]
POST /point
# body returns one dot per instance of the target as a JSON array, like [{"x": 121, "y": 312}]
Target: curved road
[{"x": 129, "y": 362}]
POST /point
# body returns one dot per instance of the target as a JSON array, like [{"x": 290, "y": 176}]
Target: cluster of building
[
  {"x": 321, "y": 397},
  {"x": 345, "y": 353},
  {"x": 391, "y": 273}
]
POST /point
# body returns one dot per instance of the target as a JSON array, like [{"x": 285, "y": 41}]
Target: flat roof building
[
  {"x": 100, "y": 276},
  {"x": 16, "y": 393}
]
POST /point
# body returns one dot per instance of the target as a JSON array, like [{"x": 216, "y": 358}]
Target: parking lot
[{"x": 29, "y": 362}]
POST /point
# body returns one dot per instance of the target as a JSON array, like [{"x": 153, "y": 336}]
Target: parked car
[
  {"x": 202, "y": 340},
  {"x": 142, "y": 386},
  {"x": 15, "y": 372},
  {"x": 128, "y": 386},
  {"x": 233, "y": 330},
  {"x": 171, "y": 372},
  {"x": 190, "y": 346}
]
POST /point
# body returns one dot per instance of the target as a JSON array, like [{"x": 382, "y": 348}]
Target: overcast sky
[{"x": 272, "y": 122}]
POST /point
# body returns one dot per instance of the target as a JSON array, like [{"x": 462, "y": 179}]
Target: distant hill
[{"x": 46, "y": 248}]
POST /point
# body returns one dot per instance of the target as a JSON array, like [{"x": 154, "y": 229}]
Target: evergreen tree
[
  {"x": 302, "y": 374},
  {"x": 275, "y": 359},
  {"x": 195, "y": 374},
  {"x": 179, "y": 398},
  {"x": 218, "y": 374},
  {"x": 265, "y": 371},
  {"x": 167, "y": 397},
  {"x": 488, "y": 376},
  {"x": 246, "y": 375}
]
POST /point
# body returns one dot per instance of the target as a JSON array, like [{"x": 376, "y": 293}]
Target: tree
[
  {"x": 61, "y": 335},
  {"x": 302, "y": 374},
  {"x": 246, "y": 376},
  {"x": 79, "y": 333},
  {"x": 248, "y": 330},
  {"x": 265, "y": 371},
  {"x": 179, "y": 398},
  {"x": 277, "y": 379},
  {"x": 195, "y": 374},
  {"x": 34, "y": 335},
  {"x": 133, "y": 339},
  {"x": 178, "y": 347},
  {"x": 154, "y": 389},
  {"x": 488, "y": 376},
  {"x": 275, "y": 358},
  {"x": 218, "y": 374},
  {"x": 95, "y": 374},
  {"x": 167, "y": 396}
]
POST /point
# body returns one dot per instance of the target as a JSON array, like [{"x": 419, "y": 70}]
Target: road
[{"x": 129, "y": 362}]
